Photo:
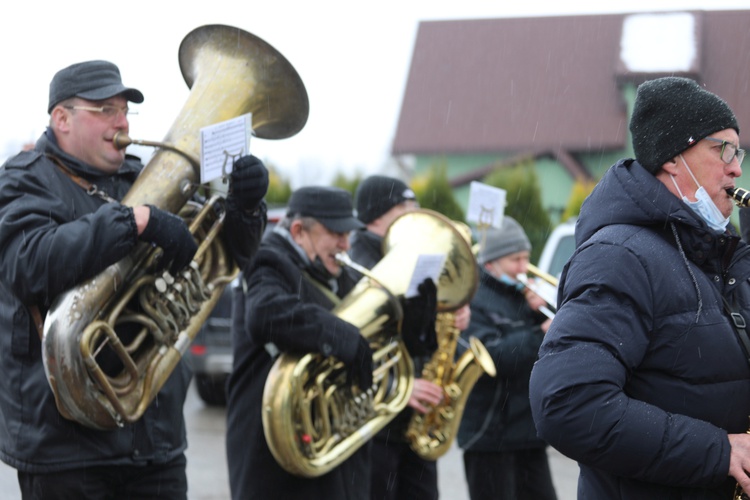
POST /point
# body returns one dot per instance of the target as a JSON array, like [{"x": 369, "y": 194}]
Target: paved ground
[
  {"x": 453, "y": 483},
  {"x": 207, "y": 472}
]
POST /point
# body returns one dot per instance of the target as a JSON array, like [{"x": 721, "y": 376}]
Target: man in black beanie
[
  {"x": 644, "y": 374},
  {"x": 398, "y": 472}
]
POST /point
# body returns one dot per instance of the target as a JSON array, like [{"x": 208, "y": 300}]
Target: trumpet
[{"x": 549, "y": 308}]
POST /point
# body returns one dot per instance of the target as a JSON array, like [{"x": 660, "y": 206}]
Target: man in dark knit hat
[
  {"x": 644, "y": 374},
  {"x": 290, "y": 289},
  {"x": 398, "y": 472},
  {"x": 61, "y": 225},
  {"x": 503, "y": 456}
]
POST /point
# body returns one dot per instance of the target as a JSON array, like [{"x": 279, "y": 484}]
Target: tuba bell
[
  {"x": 143, "y": 320},
  {"x": 313, "y": 419}
]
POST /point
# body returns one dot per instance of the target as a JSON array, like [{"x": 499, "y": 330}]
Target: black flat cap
[
  {"x": 331, "y": 206},
  {"x": 91, "y": 80}
]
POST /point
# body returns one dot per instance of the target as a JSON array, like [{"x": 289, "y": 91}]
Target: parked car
[
  {"x": 557, "y": 250},
  {"x": 210, "y": 353}
]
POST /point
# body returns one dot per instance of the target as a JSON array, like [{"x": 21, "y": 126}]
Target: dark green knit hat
[{"x": 670, "y": 115}]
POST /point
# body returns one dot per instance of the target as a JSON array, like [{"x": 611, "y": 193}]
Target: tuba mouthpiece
[{"x": 121, "y": 140}]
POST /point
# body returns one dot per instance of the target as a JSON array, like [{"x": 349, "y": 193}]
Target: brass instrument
[
  {"x": 144, "y": 321},
  {"x": 312, "y": 419},
  {"x": 431, "y": 434},
  {"x": 741, "y": 196},
  {"x": 551, "y": 307}
]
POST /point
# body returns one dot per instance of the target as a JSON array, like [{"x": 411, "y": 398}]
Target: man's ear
[
  {"x": 295, "y": 229},
  {"x": 670, "y": 166},
  {"x": 60, "y": 118}
]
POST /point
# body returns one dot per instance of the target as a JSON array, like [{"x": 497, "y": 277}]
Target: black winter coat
[
  {"x": 497, "y": 416},
  {"x": 641, "y": 375},
  {"x": 284, "y": 308},
  {"x": 53, "y": 236}
]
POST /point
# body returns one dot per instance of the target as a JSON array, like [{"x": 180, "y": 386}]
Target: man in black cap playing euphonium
[
  {"x": 289, "y": 289},
  {"x": 56, "y": 231}
]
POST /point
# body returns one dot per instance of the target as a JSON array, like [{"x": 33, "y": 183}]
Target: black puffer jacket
[
  {"x": 53, "y": 236},
  {"x": 284, "y": 309},
  {"x": 497, "y": 417},
  {"x": 641, "y": 375}
]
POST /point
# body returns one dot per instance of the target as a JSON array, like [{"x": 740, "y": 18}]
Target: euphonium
[
  {"x": 431, "y": 434},
  {"x": 148, "y": 321},
  {"x": 312, "y": 419}
]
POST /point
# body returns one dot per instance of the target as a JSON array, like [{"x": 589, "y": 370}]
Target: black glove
[
  {"x": 359, "y": 370},
  {"x": 248, "y": 182},
  {"x": 418, "y": 325},
  {"x": 170, "y": 233}
]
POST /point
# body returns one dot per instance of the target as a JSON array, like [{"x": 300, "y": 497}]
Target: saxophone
[{"x": 431, "y": 434}]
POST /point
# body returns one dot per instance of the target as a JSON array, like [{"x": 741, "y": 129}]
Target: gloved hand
[
  {"x": 248, "y": 182},
  {"x": 359, "y": 369},
  {"x": 418, "y": 325},
  {"x": 170, "y": 233}
]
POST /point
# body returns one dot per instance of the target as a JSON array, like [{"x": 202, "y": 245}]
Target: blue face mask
[{"x": 703, "y": 205}]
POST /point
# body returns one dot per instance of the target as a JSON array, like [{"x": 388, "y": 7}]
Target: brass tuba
[
  {"x": 312, "y": 419},
  {"x": 144, "y": 321}
]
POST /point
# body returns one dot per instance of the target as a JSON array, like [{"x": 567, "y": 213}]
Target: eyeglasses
[
  {"x": 107, "y": 110},
  {"x": 728, "y": 151}
]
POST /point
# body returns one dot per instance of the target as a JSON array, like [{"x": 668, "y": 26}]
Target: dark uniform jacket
[
  {"x": 642, "y": 375},
  {"x": 284, "y": 311},
  {"x": 53, "y": 236},
  {"x": 497, "y": 416}
]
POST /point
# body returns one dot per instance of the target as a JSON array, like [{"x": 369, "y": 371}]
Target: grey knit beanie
[
  {"x": 671, "y": 114},
  {"x": 509, "y": 238}
]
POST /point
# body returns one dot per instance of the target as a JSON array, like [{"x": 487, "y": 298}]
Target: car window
[{"x": 565, "y": 247}]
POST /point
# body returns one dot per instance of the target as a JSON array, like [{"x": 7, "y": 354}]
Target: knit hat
[
  {"x": 509, "y": 238},
  {"x": 377, "y": 194},
  {"x": 331, "y": 206},
  {"x": 671, "y": 114},
  {"x": 90, "y": 80}
]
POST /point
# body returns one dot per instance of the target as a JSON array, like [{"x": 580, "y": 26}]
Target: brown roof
[{"x": 545, "y": 84}]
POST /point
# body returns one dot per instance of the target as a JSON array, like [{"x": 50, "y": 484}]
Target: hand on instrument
[
  {"x": 248, "y": 182},
  {"x": 170, "y": 233},
  {"x": 418, "y": 325},
  {"x": 739, "y": 459},
  {"x": 463, "y": 318},
  {"x": 425, "y": 395},
  {"x": 534, "y": 300},
  {"x": 359, "y": 369}
]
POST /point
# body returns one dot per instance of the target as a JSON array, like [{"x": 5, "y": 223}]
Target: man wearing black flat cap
[
  {"x": 644, "y": 374},
  {"x": 290, "y": 288},
  {"x": 61, "y": 224}
]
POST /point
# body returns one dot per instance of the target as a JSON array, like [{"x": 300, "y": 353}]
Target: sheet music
[
  {"x": 221, "y": 144},
  {"x": 427, "y": 266}
]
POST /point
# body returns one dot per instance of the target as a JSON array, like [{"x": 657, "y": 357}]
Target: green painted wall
[{"x": 555, "y": 182}]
